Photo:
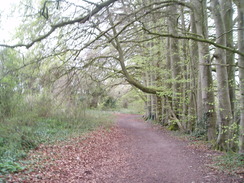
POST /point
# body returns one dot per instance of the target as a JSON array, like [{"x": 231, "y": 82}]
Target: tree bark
[
  {"x": 224, "y": 105},
  {"x": 227, "y": 12},
  {"x": 174, "y": 58},
  {"x": 209, "y": 114},
  {"x": 196, "y": 94},
  {"x": 186, "y": 98},
  {"x": 240, "y": 6}
]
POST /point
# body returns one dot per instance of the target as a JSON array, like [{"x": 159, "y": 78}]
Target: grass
[
  {"x": 129, "y": 111},
  {"x": 20, "y": 134},
  {"x": 231, "y": 163}
]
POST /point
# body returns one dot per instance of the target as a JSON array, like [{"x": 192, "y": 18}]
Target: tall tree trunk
[
  {"x": 185, "y": 85},
  {"x": 159, "y": 83},
  {"x": 224, "y": 105},
  {"x": 195, "y": 78},
  {"x": 209, "y": 114},
  {"x": 227, "y": 12},
  {"x": 167, "y": 102},
  {"x": 174, "y": 59},
  {"x": 240, "y": 5}
]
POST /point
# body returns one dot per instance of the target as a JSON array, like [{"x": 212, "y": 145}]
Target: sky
[{"x": 8, "y": 21}]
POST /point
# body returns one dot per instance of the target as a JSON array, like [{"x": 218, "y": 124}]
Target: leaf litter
[{"x": 91, "y": 158}]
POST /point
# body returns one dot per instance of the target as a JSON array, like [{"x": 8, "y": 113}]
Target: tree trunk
[
  {"x": 196, "y": 94},
  {"x": 186, "y": 72},
  {"x": 159, "y": 109},
  {"x": 174, "y": 59},
  {"x": 208, "y": 114},
  {"x": 227, "y": 12},
  {"x": 149, "y": 99},
  {"x": 224, "y": 105},
  {"x": 167, "y": 103},
  {"x": 240, "y": 5}
]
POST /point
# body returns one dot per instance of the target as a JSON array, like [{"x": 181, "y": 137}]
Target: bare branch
[
  {"x": 82, "y": 19},
  {"x": 194, "y": 39}
]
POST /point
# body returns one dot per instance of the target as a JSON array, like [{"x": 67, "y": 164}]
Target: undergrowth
[
  {"x": 232, "y": 163},
  {"x": 20, "y": 134}
]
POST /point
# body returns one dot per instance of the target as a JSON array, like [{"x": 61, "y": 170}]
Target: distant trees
[{"x": 182, "y": 56}]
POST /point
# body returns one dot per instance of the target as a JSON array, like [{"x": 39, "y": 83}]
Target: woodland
[{"x": 179, "y": 63}]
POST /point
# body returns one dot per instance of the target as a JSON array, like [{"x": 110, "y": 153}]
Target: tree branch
[
  {"x": 82, "y": 19},
  {"x": 194, "y": 39}
]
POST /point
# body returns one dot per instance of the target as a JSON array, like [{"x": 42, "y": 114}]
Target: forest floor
[{"x": 132, "y": 152}]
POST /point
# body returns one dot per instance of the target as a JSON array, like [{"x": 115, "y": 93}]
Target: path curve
[{"x": 157, "y": 157}]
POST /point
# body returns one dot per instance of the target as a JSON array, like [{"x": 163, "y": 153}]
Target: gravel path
[{"x": 157, "y": 157}]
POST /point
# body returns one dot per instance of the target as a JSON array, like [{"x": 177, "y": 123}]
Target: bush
[
  {"x": 6, "y": 104},
  {"x": 109, "y": 103}
]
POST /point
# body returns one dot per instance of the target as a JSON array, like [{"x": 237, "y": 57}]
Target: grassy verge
[
  {"x": 231, "y": 163},
  {"x": 19, "y": 135}
]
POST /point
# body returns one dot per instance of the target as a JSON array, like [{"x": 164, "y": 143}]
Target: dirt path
[
  {"x": 132, "y": 152},
  {"x": 158, "y": 157}
]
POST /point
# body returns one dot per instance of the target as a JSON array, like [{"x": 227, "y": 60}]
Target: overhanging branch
[
  {"x": 82, "y": 19},
  {"x": 194, "y": 39}
]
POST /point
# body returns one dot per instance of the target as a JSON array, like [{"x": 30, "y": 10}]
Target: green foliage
[
  {"x": 201, "y": 128},
  {"x": 6, "y": 94},
  {"x": 230, "y": 162},
  {"x": 132, "y": 102},
  {"x": 234, "y": 130},
  {"x": 198, "y": 133},
  {"x": 39, "y": 120},
  {"x": 31, "y": 115},
  {"x": 173, "y": 126},
  {"x": 109, "y": 103},
  {"x": 8, "y": 82},
  {"x": 10, "y": 166}
]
